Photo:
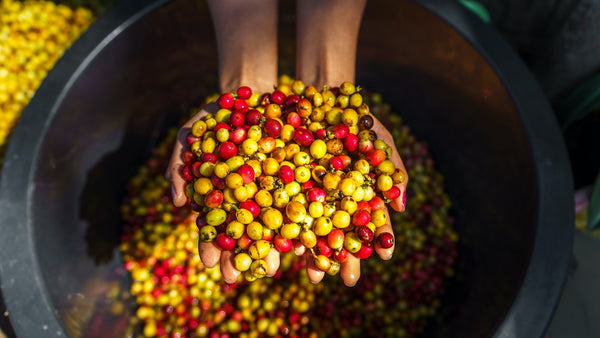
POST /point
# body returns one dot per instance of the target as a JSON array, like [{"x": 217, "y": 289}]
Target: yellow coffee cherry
[{"x": 33, "y": 36}]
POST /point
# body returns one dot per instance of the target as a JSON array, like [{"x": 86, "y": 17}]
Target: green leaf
[
  {"x": 478, "y": 9},
  {"x": 580, "y": 102},
  {"x": 594, "y": 207}
]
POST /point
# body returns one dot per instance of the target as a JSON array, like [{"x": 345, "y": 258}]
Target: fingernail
[
  {"x": 404, "y": 200},
  {"x": 173, "y": 193}
]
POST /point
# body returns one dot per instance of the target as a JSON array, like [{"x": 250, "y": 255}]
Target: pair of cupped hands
[{"x": 210, "y": 254}]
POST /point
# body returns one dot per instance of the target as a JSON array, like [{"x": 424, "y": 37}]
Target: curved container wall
[{"x": 139, "y": 67}]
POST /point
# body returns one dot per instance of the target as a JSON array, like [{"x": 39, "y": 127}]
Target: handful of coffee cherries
[{"x": 294, "y": 165}]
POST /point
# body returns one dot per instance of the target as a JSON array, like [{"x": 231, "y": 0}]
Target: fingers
[
  {"x": 385, "y": 254},
  {"x": 398, "y": 204},
  {"x": 228, "y": 270},
  {"x": 299, "y": 249},
  {"x": 350, "y": 271},
  {"x": 174, "y": 171},
  {"x": 176, "y": 164},
  {"x": 209, "y": 253},
  {"x": 273, "y": 260},
  {"x": 315, "y": 275}
]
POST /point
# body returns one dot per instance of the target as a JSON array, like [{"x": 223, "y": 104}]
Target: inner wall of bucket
[{"x": 153, "y": 71}]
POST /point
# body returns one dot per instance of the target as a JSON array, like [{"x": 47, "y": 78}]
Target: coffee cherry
[
  {"x": 258, "y": 268},
  {"x": 365, "y": 146},
  {"x": 226, "y": 101},
  {"x": 365, "y": 251},
  {"x": 273, "y": 127},
  {"x": 319, "y": 148},
  {"x": 316, "y": 195},
  {"x": 341, "y": 254},
  {"x": 272, "y": 111},
  {"x": 385, "y": 240},
  {"x": 226, "y": 150},
  {"x": 322, "y": 262},
  {"x": 302, "y": 174},
  {"x": 286, "y": 174},
  {"x": 316, "y": 209},
  {"x": 238, "y": 136},
  {"x": 398, "y": 176},
  {"x": 386, "y": 167},
  {"x": 272, "y": 219},
  {"x": 298, "y": 87},
  {"x": 350, "y": 117},
  {"x": 199, "y": 128},
  {"x": 378, "y": 217},
  {"x": 341, "y": 219},
  {"x": 216, "y": 217},
  {"x": 225, "y": 242},
  {"x": 384, "y": 182},
  {"x": 255, "y": 231},
  {"x": 351, "y": 143},
  {"x": 303, "y": 137},
  {"x": 366, "y": 122},
  {"x": 242, "y": 261},
  {"x": 293, "y": 188},
  {"x": 266, "y": 145},
  {"x": 392, "y": 193},
  {"x": 352, "y": 243},
  {"x": 290, "y": 230},
  {"x": 348, "y": 186},
  {"x": 270, "y": 167},
  {"x": 349, "y": 205},
  {"x": 295, "y": 211},
  {"x": 335, "y": 239},
  {"x": 335, "y": 146},
  {"x": 323, "y": 226},
  {"x": 280, "y": 198},
  {"x": 234, "y": 180},
  {"x": 308, "y": 238},
  {"x": 208, "y": 233},
  {"x": 364, "y": 234},
  {"x": 244, "y": 92},
  {"x": 282, "y": 244},
  {"x": 244, "y": 216},
  {"x": 235, "y": 229},
  {"x": 347, "y": 88},
  {"x": 361, "y": 217},
  {"x": 304, "y": 108},
  {"x": 259, "y": 249},
  {"x": 356, "y": 100},
  {"x": 214, "y": 199},
  {"x": 376, "y": 157},
  {"x": 240, "y": 105}
]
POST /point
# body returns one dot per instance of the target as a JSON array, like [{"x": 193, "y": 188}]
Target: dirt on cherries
[{"x": 268, "y": 170}]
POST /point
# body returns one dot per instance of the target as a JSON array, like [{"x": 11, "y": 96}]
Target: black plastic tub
[{"x": 457, "y": 84}]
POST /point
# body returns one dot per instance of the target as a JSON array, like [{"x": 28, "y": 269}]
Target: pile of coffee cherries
[
  {"x": 174, "y": 295},
  {"x": 33, "y": 36},
  {"x": 295, "y": 165}
]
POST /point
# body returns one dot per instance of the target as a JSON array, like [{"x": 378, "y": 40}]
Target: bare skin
[{"x": 319, "y": 62}]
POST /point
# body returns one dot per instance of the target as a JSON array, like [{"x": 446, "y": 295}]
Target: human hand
[{"x": 210, "y": 253}]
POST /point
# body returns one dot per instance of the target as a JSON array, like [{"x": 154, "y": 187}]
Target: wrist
[
  {"x": 247, "y": 43},
  {"x": 259, "y": 77},
  {"x": 327, "y": 41}
]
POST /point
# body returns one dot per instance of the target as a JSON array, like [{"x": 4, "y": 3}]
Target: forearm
[
  {"x": 327, "y": 40},
  {"x": 246, "y": 33}
]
